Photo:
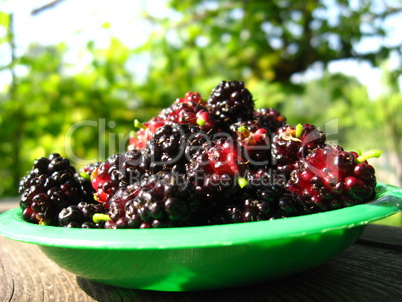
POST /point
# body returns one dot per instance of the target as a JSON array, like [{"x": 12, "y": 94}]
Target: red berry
[
  {"x": 290, "y": 144},
  {"x": 326, "y": 180}
]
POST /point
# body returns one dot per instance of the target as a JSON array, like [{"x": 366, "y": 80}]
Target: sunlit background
[{"x": 75, "y": 74}]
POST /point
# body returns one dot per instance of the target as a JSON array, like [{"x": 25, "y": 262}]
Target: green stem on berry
[
  {"x": 132, "y": 133},
  {"x": 369, "y": 154},
  {"x": 98, "y": 217},
  {"x": 241, "y": 129},
  {"x": 138, "y": 125},
  {"x": 85, "y": 176},
  {"x": 200, "y": 122},
  {"x": 44, "y": 222},
  {"x": 242, "y": 182},
  {"x": 299, "y": 130}
]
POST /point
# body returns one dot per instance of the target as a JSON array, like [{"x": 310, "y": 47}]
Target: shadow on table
[
  {"x": 367, "y": 271},
  {"x": 295, "y": 288}
]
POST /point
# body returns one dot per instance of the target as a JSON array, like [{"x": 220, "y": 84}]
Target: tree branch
[
  {"x": 11, "y": 39},
  {"x": 45, "y": 7}
]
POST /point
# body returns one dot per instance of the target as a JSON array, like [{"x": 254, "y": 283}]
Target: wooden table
[{"x": 370, "y": 270}]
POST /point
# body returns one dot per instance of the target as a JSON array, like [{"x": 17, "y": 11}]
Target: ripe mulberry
[
  {"x": 290, "y": 144},
  {"x": 162, "y": 200},
  {"x": 81, "y": 216},
  {"x": 330, "y": 178},
  {"x": 231, "y": 102},
  {"x": 119, "y": 170},
  {"x": 50, "y": 186},
  {"x": 270, "y": 119},
  {"x": 256, "y": 143}
]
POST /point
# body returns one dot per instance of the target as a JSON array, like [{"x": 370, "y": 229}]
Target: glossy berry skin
[
  {"x": 50, "y": 186},
  {"x": 71, "y": 217},
  {"x": 330, "y": 178},
  {"x": 80, "y": 216},
  {"x": 162, "y": 200},
  {"x": 214, "y": 170},
  {"x": 181, "y": 112},
  {"x": 263, "y": 198},
  {"x": 189, "y": 110},
  {"x": 288, "y": 147},
  {"x": 257, "y": 209},
  {"x": 84, "y": 178},
  {"x": 139, "y": 138},
  {"x": 269, "y": 118},
  {"x": 220, "y": 156},
  {"x": 230, "y": 102},
  {"x": 191, "y": 96},
  {"x": 117, "y": 171},
  {"x": 256, "y": 142},
  {"x": 171, "y": 147}
]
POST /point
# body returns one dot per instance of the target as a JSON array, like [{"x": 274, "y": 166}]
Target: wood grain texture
[
  {"x": 382, "y": 236},
  {"x": 367, "y": 271}
]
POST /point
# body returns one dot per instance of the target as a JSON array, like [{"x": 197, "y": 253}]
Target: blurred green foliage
[
  {"x": 48, "y": 110},
  {"x": 87, "y": 114}
]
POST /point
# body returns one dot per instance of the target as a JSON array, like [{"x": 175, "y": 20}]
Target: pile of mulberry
[{"x": 202, "y": 162}]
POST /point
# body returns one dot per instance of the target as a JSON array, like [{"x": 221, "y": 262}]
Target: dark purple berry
[
  {"x": 230, "y": 102},
  {"x": 48, "y": 188}
]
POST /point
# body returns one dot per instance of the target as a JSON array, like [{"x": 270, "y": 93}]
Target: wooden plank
[
  {"x": 382, "y": 235},
  {"x": 364, "y": 272},
  {"x": 27, "y": 275}
]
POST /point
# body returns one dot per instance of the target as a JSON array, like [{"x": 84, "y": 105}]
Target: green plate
[{"x": 207, "y": 257}]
